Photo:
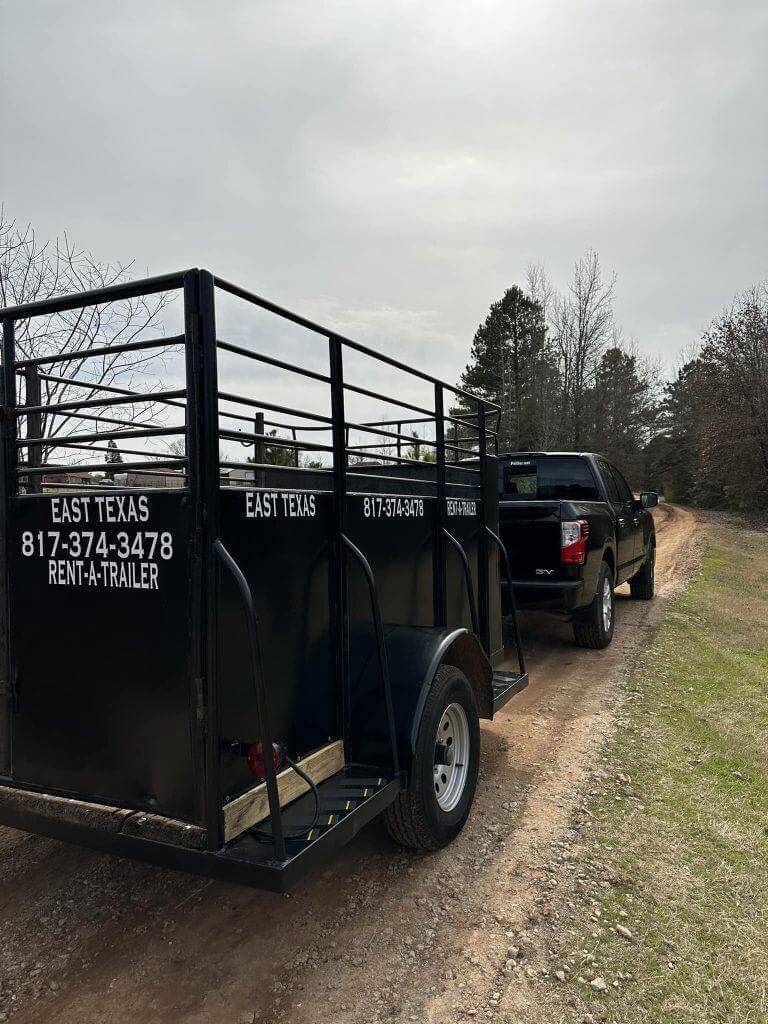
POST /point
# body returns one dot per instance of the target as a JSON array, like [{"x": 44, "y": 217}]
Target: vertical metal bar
[
  {"x": 197, "y": 514},
  {"x": 440, "y": 586},
  {"x": 259, "y": 451},
  {"x": 7, "y": 486},
  {"x": 399, "y": 440},
  {"x": 295, "y": 450},
  {"x": 209, "y": 486},
  {"x": 34, "y": 427},
  {"x": 487, "y": 496},
  {"x": 512, "y": 603},
  {"x": 381, "y": 649},
  {"x": 262, "y": 702},
  {"x": 339, "y": 605}
]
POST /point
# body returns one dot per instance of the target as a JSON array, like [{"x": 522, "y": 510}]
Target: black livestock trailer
[{"x": 229, "y": 660}]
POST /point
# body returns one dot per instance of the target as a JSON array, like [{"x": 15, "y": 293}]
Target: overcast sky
[{"x": 392, "y": 166}]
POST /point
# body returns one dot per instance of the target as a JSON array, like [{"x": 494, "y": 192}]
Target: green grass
[{"x": 685, "y": 845}]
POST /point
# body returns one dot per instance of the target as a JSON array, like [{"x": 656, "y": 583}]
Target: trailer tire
[
  {"x": 431, "y": 811},
  {"x": 642, "y": 584},
  {"x": 593, "y": 627}
]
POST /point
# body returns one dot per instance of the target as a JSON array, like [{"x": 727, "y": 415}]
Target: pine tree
[
  {"x": 622, "y": 411},
  {"x": 507, "y": 360}
]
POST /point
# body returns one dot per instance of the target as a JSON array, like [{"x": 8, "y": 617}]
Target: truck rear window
[{"x": 550, "y": 478}]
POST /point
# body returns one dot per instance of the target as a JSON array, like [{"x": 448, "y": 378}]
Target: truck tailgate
[{"x": 530, "y": 531}]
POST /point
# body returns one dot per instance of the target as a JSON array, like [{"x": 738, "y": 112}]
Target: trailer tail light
[
  {"x": 255, "y": 758},
  {"x": 574, "y": 535}
]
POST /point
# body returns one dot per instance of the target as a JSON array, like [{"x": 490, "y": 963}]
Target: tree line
[{"x": 557, "y": 365}]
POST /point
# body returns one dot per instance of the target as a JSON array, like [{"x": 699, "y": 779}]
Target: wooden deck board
[{"x": 250, "y": 808}]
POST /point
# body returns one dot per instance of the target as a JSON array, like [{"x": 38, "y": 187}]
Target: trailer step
[
  {"x": 505, "y": 686},
  {"x": 340, "y": 796},
  {"x": 348, "y": 800}
]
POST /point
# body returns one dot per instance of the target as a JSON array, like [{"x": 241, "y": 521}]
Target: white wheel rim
[
  {"x": 451, "y": 757},
  {"x": 607, "y": 604}
]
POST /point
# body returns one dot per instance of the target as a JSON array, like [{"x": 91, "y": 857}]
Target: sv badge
[{"x": 544, "y": 572}]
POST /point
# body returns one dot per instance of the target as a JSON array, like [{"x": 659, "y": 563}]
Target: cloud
[{"x": 395, "y": 165}]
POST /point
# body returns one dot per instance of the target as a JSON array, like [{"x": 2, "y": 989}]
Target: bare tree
[
  {"x": 735, "y": 352},
  {"x": 31, "y": 271},
  {"x": 581, "y": 325}
]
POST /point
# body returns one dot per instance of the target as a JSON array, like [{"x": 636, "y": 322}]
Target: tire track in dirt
[{"x": 382, "y": 934}]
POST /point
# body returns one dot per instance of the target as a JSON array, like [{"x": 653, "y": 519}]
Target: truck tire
[
  {"x": 432, "y": 809},
  {"x": 593, "y": 627},
  {"x": 642, "y": 584}
]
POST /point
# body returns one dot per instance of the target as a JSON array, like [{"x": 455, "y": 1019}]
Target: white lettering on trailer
[
  {"x": 112, "y": 575},
  {"x": 106, "y": 508},
  {"x": 126, "y": 560},
  {"x": 380, "y": 506},
  {"x": 461, "y": 507},
  {"x": 277, "y": 504}
]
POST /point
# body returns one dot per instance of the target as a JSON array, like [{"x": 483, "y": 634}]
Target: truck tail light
[
  {"x": 255, "y": 758},
  {"x": 574, "y": 535}
]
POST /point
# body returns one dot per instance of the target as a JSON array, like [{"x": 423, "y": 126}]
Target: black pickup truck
[{"x": 574, "y": 531}]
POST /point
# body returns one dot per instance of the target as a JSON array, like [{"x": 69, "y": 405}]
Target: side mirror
[{"x": 649, "y": 499}]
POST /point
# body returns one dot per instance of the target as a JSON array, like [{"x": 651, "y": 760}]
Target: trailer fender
[{"x": 414, "y": 655}]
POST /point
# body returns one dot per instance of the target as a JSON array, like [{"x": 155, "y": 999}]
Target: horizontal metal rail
[
  {"x": 354, "y": 474},
  {"x": 97, "y": 296},
  {"x": 274, "y": 440},
  {"x": 271, "y": 465},
  {"x": 429, "y": 415},
  {"x": 105, "y": 467},
  {"x": 76, "y": 382},
  {"x": 399, "y": 460},
  {"x": 93, "y": 419},
  {"x": 325, "y": 332},
  {"x": 97, "y": 403},
  {"x": 100, "y": 350},
  {"x": 271, "y": 361},
  {"x": 60, "y": 441},
  {"x": 364, "y": 428},
  {"x": 103, "y": 449},
  {"x": 253, "y": 403},
  {"x": 103, "y": 485}
]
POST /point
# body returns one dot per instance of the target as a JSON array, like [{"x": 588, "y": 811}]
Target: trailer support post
[
  {"x": 483, "y": 552},
  {"x": 339, "y": 610},
  {"x": 8, "y": 454},
  {"x": 259, "y": 451},
  {"x": 203, "y": 476},
  {"x": 440, "y": 596}
]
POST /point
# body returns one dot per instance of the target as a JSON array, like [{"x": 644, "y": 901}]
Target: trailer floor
[{"x": 381, "y": 935}]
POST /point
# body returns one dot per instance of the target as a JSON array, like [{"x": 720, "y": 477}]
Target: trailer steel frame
[{"x": 277, "y": 861}]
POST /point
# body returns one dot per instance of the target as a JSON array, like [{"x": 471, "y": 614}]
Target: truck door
[
  {"x": 628, "y": 498},
  {"x": 625, "y": 528}
]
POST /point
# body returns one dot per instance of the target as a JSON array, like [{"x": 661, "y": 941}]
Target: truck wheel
[
  {"x": 593, "y": 627},
  {"x": 642, "y": 584},
  {"x": 432, "y": 809}
]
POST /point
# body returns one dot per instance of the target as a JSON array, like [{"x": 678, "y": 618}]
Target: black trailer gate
[{"x": 160, "y": 622}]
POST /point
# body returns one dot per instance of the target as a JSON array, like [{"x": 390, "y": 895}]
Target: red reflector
[
  {"x": 574, "y": 535},
  {"x": 255, "y": 758}
]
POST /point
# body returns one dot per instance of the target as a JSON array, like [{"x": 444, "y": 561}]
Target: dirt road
[{"x": 382, "y": 934}]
